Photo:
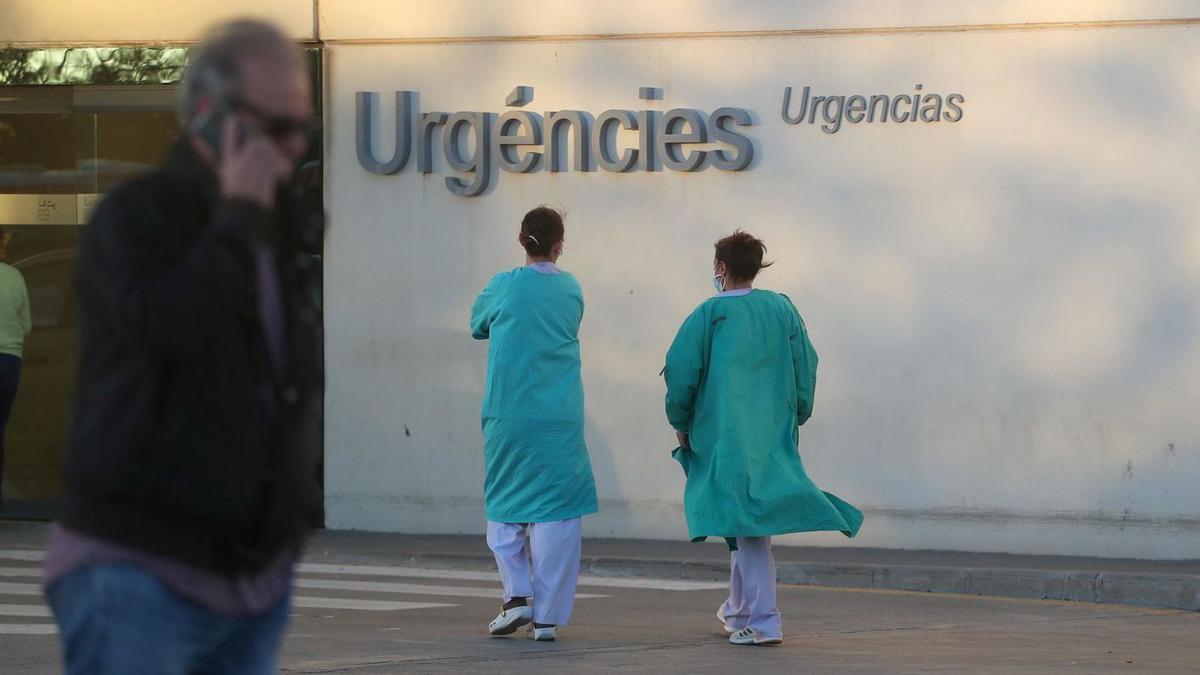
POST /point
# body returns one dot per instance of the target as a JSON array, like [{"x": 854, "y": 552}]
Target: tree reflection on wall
[{"x": 92, "y": 65}]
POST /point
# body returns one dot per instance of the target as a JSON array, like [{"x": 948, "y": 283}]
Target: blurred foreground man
[{"x": 192, "y": 468}]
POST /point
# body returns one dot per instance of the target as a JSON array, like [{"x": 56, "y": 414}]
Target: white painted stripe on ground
[
  {"x": 24, "y": 610},
  {"x": 300, "y": 601},
  {"x": 391, "y": 571},
  {"x": 30, "y": 556},
  {"x": 7, "y": 588},
  {"x": 354, "y": 603},
  {"x": 457, "y": 575},
  {"x": 467, "y": 575},
  {"x": 28, "y": 629},
  {"x": 415, "y": 589},
  {"x": 31, "y": 572},
  {"x": 653, "y": 584}
]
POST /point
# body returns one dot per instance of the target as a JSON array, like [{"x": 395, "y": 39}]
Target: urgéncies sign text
[
  {"x": 520, "y": 141},
  {"x": 475, "y": 144}
]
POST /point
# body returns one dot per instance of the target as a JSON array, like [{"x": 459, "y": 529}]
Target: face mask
[{"x": 719, "y": 282}]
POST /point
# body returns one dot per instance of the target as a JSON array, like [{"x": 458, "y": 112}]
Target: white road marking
[
  {"x": 422, "y": 573},
  {"x": 29, "y": 556},
  {"x": 415, "y": 589},
  {"x": 354, "y": 603},
  {"x": 653, "y": 584},
  {"x": 28, "y": 629},
  {"x": 24, "y": 610},
  {"x": 466, "y": 575},
  {"x": 20, "y": 572},
  {"x": 19, "y": 589}
]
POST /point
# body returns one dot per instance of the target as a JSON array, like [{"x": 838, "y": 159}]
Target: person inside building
[
  {"x": 537, "y": 474},
  {"x": 740, "y": 379},
  {"x": 15, "y": 324},
  {"x": 192, "y": 466}
]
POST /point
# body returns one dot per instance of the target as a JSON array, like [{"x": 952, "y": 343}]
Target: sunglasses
[{"x": 279, "y": 127}]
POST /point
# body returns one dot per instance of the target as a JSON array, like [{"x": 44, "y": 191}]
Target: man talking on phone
[{"x": 191, "y": 470}]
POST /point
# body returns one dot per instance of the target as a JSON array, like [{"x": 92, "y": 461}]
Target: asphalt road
[{"x": 401, "y": 618}]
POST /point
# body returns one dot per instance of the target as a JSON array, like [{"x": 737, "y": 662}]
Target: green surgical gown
[
  {"x": 740, "y": 381},
  {"x": 536, "y": 465}
]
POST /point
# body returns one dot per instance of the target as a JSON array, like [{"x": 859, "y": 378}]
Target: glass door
[{"x": 61, "y": 148}]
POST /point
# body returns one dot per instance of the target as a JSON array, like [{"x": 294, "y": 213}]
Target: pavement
[
  {"x": 1165, "y": 584},
  {"x": 371, "y": 603}
]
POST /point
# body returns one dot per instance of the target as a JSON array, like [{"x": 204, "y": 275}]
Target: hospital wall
[
  {"x": 76, "y": 23},
  {"x": 1005, "y": 307}
]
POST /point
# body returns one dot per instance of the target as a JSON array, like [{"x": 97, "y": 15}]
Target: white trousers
[
  {"x": 752, "y": 588},
  {"x": 555, "y": 549}
]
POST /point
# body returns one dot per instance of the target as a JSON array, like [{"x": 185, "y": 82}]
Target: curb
[{"x": 1168, "y": 591}]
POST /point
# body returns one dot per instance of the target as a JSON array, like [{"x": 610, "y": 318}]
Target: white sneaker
[
  {"x": 749, "y": 636},
  {"x": 547, "y": 634},
  {"x": 510, "y": 620},
  {"x": 724, "y": 624}
]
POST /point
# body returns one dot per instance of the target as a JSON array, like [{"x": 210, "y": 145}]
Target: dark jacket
[{"x": 186, "y": 441}]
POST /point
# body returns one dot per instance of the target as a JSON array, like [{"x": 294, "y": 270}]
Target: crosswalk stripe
[
  {"x": 19, "y": 589},
  {"x": 299, "y": 601},
  {"x": 20, "y": 572},
  {"x": 652, "y": 584},
  {"x": 28, "y": 629},
  {"x": 368, "y": 605},
  {"x": 466, "y": 575},
  {"x": 11, "y": 588},
  {"x": 458, "y": 575},
  {"x": 24, "y": 610},
  {"x": 30, "y": 556},
  {"x": 415, "y": 589}
]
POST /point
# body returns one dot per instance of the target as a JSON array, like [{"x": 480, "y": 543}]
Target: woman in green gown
[{"x": 740, "y": 378}]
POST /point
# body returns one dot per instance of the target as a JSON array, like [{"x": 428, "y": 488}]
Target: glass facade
[{"x": 73, "y": 123}]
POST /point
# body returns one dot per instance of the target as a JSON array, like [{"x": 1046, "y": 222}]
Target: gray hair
[{"x": 212, "y": 71}]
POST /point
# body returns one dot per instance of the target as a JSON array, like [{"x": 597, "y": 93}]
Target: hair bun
[{"x": 541, "y": 229}]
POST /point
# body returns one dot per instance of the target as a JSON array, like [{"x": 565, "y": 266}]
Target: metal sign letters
[{"x": 475, "y": 144}]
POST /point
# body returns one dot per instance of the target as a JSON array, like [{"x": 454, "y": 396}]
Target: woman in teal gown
[
  {"x": 537, "y": 474},
  {"x": 740, "y": 378}
]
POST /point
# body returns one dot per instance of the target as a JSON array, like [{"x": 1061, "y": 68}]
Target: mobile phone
[{"x": 211, "y": 127}]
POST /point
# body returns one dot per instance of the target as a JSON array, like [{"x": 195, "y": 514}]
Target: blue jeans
[
  {"x": 119, "y": 619},
  {"x": 10, "y": 379}
]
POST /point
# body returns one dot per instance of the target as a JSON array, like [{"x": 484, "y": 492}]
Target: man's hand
[
  {"x": 252, "y": 170},
  {"x": 684, "y": 442}
]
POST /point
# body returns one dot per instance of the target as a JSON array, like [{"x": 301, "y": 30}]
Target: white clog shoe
[{"x": 510, "y": 620}]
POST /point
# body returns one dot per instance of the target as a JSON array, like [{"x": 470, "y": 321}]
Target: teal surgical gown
[
  {"x": 740, "y": 381},
  {"x": 536, "y": 465}
]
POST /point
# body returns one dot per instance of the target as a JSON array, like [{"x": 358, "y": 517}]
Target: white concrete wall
[
  {"x": 1006, "y": 308},
  {"x": 106, "y": 22},
  {"x": 366, "y": 20}
]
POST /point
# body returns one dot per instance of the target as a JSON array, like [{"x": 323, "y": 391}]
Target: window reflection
[{"x": 60, "y": 148}]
